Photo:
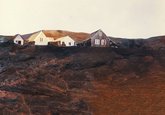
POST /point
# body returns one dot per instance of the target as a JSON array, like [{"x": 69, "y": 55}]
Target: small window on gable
[
  {"x": 103, "y": 42},
  {"x": 41, "y": 39},
  {"x": 97, "y": 41}
]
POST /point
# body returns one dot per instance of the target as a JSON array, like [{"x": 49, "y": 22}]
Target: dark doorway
[{"x": 19, "y": 42}]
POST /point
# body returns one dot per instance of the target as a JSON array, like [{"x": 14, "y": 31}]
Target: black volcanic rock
[{"x": 81, "y": 81}]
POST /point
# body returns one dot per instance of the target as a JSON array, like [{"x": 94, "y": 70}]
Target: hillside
[
  {"x": 153, "y": 42},
  {"x": 81, "y": 81},
  {"x": 78, "y": 36}
]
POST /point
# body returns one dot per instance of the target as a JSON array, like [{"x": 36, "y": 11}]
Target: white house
[
  {"x": 39, "y": 38},
  {"x": 65, "y": 41},
  {"x": 19, "y": 40}
]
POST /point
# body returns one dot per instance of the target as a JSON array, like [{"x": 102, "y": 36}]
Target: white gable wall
[
  {"x": 18, "y": 40},
  {"x": 50, "y": 39},
  {"x": 41, "y": 39},
  {"x": 67, "y": 40}
]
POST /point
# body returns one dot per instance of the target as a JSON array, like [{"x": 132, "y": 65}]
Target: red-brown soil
[
  {"x": 81, "y": 81},
  {"x": 78, "y": 36}
]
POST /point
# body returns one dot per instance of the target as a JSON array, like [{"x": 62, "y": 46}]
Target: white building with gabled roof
[
  {"x": 65, "y": 41},
  {"x": 19, "y": 40},
  {"x": 39, "y": 38}
]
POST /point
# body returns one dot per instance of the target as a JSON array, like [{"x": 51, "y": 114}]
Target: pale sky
[{"x": 118, "y": 18}]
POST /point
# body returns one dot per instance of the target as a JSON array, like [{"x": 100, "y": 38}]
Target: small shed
[{"x": 19, "y": 40}]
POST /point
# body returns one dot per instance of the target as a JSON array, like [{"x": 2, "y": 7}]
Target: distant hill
[
  {"x": 78, "y": 36},
  {"x": 6, "y": 37},
  {"x": 155, "y": 42}
]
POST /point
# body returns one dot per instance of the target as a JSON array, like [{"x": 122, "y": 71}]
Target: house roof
[
  {"x": 26, "y": 36},
  {"x": 64, "y": 38},
  {"x": 95, "y": 34},
  {"x": 34, "y": 35},
  {"x": 111, "y": 39},
  {"x": 98, "y": 34},
  {"x": 18, "y": 35}
]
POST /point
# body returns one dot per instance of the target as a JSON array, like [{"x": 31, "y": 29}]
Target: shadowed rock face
[{"x": 81, "y": 81}]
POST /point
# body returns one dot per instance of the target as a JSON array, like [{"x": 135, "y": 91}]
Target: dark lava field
[{"x": 81, "y": 81}]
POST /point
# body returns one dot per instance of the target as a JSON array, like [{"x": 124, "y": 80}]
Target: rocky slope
[{"x": 81, "y": 81}]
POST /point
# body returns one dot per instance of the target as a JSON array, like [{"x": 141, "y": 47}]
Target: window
[
  {"x": 97, "y": 41},
  {"x": 41, "y": 39},
  {"x": 63, "y": 44},
  {"x": 70, "y": 43},
  {"x": 103, "y": 42},
  {"x": 59, "y": 42}
]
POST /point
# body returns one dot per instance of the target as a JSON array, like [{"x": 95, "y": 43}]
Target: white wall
[
  {"x": 41, "y": 39},
  {"x": 17, "y": 39},
  {"x": 66, "y": 40}
]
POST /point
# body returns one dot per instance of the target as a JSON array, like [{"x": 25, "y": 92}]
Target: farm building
[
  {"x": 98, "y": 39},
  {"x": 65, "y": 41},
  {"x": 39, "y": 38},
  {"x": 19, "y": 40}
]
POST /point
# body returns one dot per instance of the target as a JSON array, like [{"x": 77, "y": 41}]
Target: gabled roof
[
  {"x": 64, "y": 38},
  {"x": 112, "y": 40},
  {"x": 26, "y": 36},
  {"x": 99, "y": 34},
  {"x": 18, "y": 35},
  {"x": 34, "y": 35}
]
